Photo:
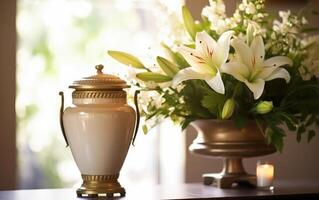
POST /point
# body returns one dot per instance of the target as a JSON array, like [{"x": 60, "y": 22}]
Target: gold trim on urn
[
  {"x": 78, "y": 94},
  {"x": 100, "y": 185}
]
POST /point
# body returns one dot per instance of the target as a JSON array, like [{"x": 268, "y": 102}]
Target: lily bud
[
  {"x": 264, "y": 107},
  {"x": 228, "y": 108},
  {"x": 251, "y": 32}
]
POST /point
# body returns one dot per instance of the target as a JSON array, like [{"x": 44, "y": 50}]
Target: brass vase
[{"x": 222, "y": 138}]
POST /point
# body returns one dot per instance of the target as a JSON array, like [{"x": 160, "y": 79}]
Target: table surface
[{"x": 283, "y": 190}]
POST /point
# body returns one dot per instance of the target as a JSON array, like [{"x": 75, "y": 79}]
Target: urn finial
[{"x": 99, "y": 68}]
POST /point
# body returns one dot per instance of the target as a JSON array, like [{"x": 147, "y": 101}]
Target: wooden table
[{"x": 283, "y": 190}]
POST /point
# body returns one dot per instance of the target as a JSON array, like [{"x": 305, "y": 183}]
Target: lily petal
[
  {"x": 223, "y": 43},
  {"x": 279, "y": 73},
  {"x": 238, "y": 70},
  {"x": 258, "y": 49},
  {"x": 216, "y": 83},
  {"x": 266, "y": 71},
  {"x": 187, "y": 74},
  {"x": 243, "y": 51},
  {"x": 257, "y": 87},
  {"x": 277, "y": 61},
  {"x": 205, "y": 44},
  {"x": 194, "y": 59}
]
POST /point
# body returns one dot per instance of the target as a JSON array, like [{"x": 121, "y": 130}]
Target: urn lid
[{"x": 99, "y": 81}]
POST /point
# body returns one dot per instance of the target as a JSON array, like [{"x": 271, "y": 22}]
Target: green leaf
[
  {"x": 126, "y": 59},
  {"x": 189, "y": 22},
  {"x": 186, "y": 122},
  {"x": 193, "y": 93},
  {"x": 275, "y": 136},
  {"x": 175, "y": 57},
  {"x": 205, "y": 25},
  {"x": 300, "y": 131},
  {"x": 311, "y": 134},
  {"x": 311, "y": 120},
  {"x": 214, "y": 102},
  {"x": 151, "y": 76},
  {"x": 278, "y": 141},
  {"x": 289, "y": 120},
  {"x": 269, "y": 134},
  {"x": 167, "y": 66}
]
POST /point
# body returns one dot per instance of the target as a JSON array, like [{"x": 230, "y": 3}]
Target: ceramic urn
[{"x": 99, "y": 129}]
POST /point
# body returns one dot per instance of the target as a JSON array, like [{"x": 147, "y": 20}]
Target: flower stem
[{"x": 237, "y": 90}]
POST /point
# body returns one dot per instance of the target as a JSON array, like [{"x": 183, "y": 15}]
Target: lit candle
[{"x": 265, "y": 175}]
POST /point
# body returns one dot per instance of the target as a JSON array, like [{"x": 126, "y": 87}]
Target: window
[{"x": 60, "y": 41}]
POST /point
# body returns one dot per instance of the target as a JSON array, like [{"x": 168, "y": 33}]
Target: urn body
[{"x": 99, "y": 136}]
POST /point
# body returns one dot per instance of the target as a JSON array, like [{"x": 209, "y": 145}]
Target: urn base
[{"x": 100, "y": 185}]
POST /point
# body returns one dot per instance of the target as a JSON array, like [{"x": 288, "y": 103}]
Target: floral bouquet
[{"x": 244, "y": 67}]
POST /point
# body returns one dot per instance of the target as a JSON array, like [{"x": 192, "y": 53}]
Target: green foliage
[
  {"x": 168, "y": 67},
  {"x": 275, "y": 136},
  {"x": 189, "y": 22},
  {"x": 126, "y": 59},
  {"x": 175, "y": 57},
  {"x": 311, "y": 134},
  {"x": 152, "y": 76},
  {"x": 193, "y": 93},
  {"x": 214, "y": 102}
]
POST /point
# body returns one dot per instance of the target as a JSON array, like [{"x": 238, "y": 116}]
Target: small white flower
[
  {"x": 237, "y": 17},
  {"x": 285, "y": 15},
  {"x": 273, "y": 35},
  {"x": 241, "y": 7},
  {"x": 144, "y": 99},
  {"x": 250, "y": 9},
  {"x": 131, "y": 74},
  {"x": 216, "y": 14},
  {"x": 310, "y": 66},
  {"x": 181, "y": 100},
  {"x": 180, "y": 87},
  {"x": 157, "y": 101},
  {"x": 149, "y": 84}
]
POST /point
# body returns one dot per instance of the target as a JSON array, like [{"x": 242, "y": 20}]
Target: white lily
[
  {"x": 205, "y": 60},
  {"x": 250, "y": 67}
]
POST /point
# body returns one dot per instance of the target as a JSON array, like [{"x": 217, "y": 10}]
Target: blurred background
[{"x": 46, "y": 44}]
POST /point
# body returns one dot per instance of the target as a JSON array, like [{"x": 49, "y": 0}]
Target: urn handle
[
  {"x": 137, "y": 116},
  {"x": 61, "y": 118}
]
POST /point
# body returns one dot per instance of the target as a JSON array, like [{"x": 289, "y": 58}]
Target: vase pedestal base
[
  {"x": 233, "y": 172},
  {"x": 100, "y": 185},
  {"x": 226, "y": 181}
]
